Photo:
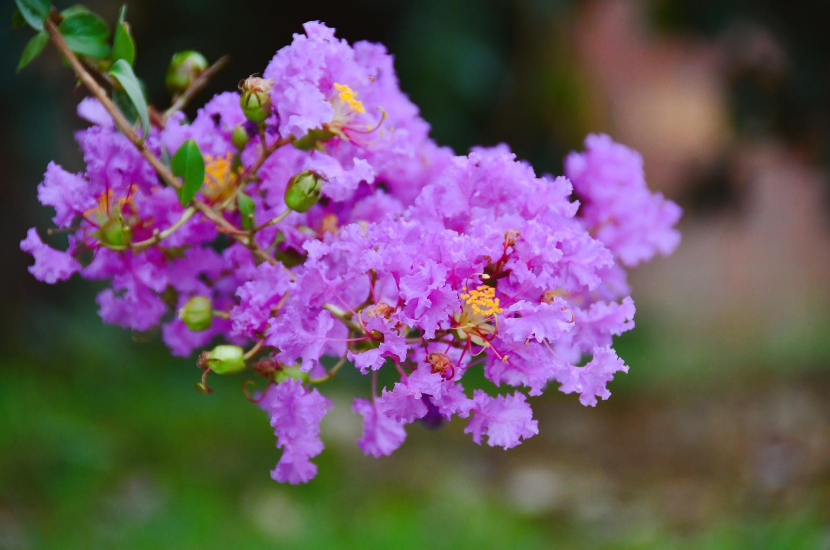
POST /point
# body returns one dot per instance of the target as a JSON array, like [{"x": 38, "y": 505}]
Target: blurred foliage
[{"x": 707, "y": 443}]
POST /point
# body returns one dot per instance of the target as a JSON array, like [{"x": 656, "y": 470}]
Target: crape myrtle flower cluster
[{"x": 326, "y": 223}]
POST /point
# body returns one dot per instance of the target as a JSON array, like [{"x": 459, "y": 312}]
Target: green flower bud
[
  {"x": 256, "y": 98},
  {"x": 183, "y": 69},
  {"x": 240, "y": 137},
  {"x": 303, "y": 191},
  {"x": 313, "y": 139},
  {"x": 112, "y": 231},
  {"x": 223, "y": 359},
  {"x": 290, "y": 372},
  {"x": 197, "y": 313}
]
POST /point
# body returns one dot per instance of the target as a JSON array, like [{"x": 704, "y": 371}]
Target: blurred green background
[{"x": 718, "y": 437}]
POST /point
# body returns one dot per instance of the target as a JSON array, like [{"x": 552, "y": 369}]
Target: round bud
[
  {"x": 197, "y": 313},
  {"x": 112, "y": 231},
  {"x": 223, "y": 359},
  {"x": 290, "y": 372},
  {"x": 303, "y": 191},
  {"x": 256, "y": 98},
  {"x": 183, "y": 69},
  {"x": 240, "y": 137}
]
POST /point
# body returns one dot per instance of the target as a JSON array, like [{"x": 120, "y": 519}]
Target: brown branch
[
  {"x": 196, "y": 86},
  {"x": 127, "y": 129}
]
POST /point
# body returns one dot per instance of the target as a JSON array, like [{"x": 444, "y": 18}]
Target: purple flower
[
  {"x": 591, "y": 380},
  {"x": 538, "y": 321},
  {"x": 298, "y": 336},
  {"x": 393, "y": 344},
  {"x": 381, "y": 435},
  {"x": 506, "y": 420},
  {"x": 51, "y": 265},
  {"x": 295, "y": 414},
  {"x": 257, "y": 297},
  {"x": 412, "y": 259},
  {"x": 67, "y": 193},
  {"x": 618, "y": 207}
]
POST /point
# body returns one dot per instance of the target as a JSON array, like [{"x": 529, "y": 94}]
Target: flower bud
[
  {"x": 112, "y": 231},
  {"x": 223, "y": 359},
  {"x": 290, "y": 372},
  {"x": 256, "y": 98},
  {"x": 183, "y": 69},
  {"x": 197, "y": 313},
  {"x": 303, "y": 191},
  {"x": 313, "y": 139},
  {"x": 240, "y": 137}
]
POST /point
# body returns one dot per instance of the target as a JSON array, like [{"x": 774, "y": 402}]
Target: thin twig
[
  {"x": 330, "y": 374},
  {"x": 126, "y": 128},
  {"x": 196, "y": 86},
  {"x": 274, "y": 221},
  {"x": 158, "y": 236}
]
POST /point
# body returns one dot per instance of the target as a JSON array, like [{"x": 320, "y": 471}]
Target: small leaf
[
  {"x": 85, "y": 34},
  {"x": 74, "y": 10},
  {"x": 189, "y": 165},
  {"x": 123, "y": 45},
  {"x": 122, "y": 15},
  {"x": 246, "y": 208},
  {"x": 17, "y": 19},
  {"x": 34, "y": 12},
  {"x": 125, "y": 105},
  {"x": 33, "y": 48},
  {"x": 123, "y": 73}
]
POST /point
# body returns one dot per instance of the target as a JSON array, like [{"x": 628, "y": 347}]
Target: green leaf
[
  {"x": 17, "y": 19},
  {"x": 246, "y": 208},
  {"x": 125, "y": 105},
  {"x": 86, "y": 34},
  {"x": 34, "y": 12},
  {"x": 189, "y": 165},
  {"x": 123, "y": 73},
  {"x": 123, "y": 45},
  {"x": 33, "y": 48},
  {"x": 74, "y": 10},
  {"x": 122, "y": 15}
]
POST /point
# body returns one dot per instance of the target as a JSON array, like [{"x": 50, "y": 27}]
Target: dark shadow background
[{"x": 718, "y": 437}]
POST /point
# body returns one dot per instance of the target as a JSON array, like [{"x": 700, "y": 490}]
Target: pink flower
[{"x": 506, "y": 420}]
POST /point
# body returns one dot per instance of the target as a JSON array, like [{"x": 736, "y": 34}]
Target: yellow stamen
[
  {"x": 217, "y": 170},
  {"x": 482, "y": 300},
  {"x": 106, "y": 204},
  {"x": 349, "y": 96},
  {"x": 220, "y": 176}
]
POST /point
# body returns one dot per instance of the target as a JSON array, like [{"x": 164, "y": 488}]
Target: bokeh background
[{"x": 719, "y": 437}]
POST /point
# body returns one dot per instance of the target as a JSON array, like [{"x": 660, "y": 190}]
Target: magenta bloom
[
  {"x": 619, "y": 209},
  {"x": 331, "y": 232}
]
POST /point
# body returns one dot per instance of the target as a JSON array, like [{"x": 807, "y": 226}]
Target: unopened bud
[
  {"x": 256, "y": 98},
  {"x": 290, "y": 372},
  {"x": 223, "y": 359},
  {"x": 197, "y": 313},
  {"x": 240, "y": 137},
  {"x": 112, "y": 231},
  {"x": 184, "y": 68},
  {"x": 303, "y": 191},
  {"x": 313, "y": 139}
]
